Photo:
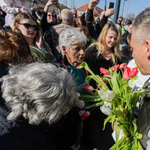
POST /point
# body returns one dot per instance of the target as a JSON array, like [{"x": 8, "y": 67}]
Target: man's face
[{"x": 139, "y": 54}]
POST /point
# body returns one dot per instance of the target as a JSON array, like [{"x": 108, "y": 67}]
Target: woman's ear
[{"x": 64, "y": 49}]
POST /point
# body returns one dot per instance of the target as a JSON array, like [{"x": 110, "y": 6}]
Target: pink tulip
[
  {"x": 85, "y": 115},
  {"x": 80, "y": 104},
  {"x": 88, "y": 88},
  {"x": 126, "y": 73},
  {"x": 79, "y": 67},
  {"x": 122, "y": 65},
  {"x": 115, "y": 67},
  {"x": 104, "y": 71},
  {"x": 133, "y": 72},
  {"x": 81, "y": 112}
]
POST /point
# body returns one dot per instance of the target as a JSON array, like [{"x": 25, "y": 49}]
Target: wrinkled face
[
  {"x": 28, "y": 28},
  {"x": 111, "y": 38},
  {"x": 49, "y": 17},
  {"x": 83, "y": 29},
  {"x": 76, "y": 54},
  {"x": 139, "y": 53}
]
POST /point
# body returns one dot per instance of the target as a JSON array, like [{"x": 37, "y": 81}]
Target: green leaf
[
  {"x": 93, "y": 105},
  {"x": 94, "y": 77}
]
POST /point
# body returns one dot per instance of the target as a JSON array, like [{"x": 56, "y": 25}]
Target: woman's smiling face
[{"x": 111, "y": 38}]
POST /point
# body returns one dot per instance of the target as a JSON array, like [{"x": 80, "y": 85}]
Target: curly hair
[
  {"x": 14, "y": 49},
  {"x": 39, "y": 92}
]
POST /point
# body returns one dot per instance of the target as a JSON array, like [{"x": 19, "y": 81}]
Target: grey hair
[
  {"x": 70, "y": 37},
  {"x": 66, "y": 15},
  {"x": 39, "y": 92},
  {"x": 141, "y": 26}
]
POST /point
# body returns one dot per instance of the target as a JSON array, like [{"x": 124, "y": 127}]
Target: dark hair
[
  {"x": 79, "y": 21},
  {"x": 39, "y": 11}
]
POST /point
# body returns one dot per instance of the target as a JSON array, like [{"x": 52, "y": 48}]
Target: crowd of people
[{"x": 40, "y": 52}]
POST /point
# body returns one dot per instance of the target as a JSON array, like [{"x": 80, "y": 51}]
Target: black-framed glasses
[{"x": 29, "y": 26}]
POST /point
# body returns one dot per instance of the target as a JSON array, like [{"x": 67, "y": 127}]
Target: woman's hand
[{"x": 39, "y": 40}]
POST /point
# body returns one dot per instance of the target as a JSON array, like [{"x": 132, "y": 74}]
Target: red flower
[
  {"x": 104, "y": 71},
  {"x": 88, "y": 88},
  {"x": 115, "y": 67},
  {"x": 133, "y": 72},
  {"x": 122, "y": 65},
  {"x": 126, "y": 73},
  {"x": 85, "y": 115}
]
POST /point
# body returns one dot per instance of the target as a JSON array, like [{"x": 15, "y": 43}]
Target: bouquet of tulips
[{"x": 117, "y": 101}]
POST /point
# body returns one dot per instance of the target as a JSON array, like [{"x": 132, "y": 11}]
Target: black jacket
[
  {"x": 20, "y": 135},
  {"x": 44, "y": 24},
  {"x": 2, "y": 18},
  {"x": 95, "y": 30},
  {"x": 144, "y": 115}
]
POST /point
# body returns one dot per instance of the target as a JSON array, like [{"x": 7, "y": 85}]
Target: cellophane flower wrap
[{"x": 117, "y": 101}]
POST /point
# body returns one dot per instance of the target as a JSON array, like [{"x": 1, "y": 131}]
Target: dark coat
[
  {"x": 2, "y": 18},
  {"x": 20, "y": 135},
  {"x": 143, "y": 121}
]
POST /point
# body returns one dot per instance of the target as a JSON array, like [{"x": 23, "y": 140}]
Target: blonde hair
[{"x": 101, "y": 42}]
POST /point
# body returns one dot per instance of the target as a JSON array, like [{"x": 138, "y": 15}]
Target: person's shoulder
[{"x": 92, "y": 50}]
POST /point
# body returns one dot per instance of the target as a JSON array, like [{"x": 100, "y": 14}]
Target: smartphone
[{"x": 111, "y": 5}]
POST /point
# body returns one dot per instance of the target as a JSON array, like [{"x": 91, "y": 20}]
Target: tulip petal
[
  {"x": 133, "y": 72},
  {"x": 105, "y": 110},
  {"x": 104, "y": 71},
  {"x": 88, "y": 88}
]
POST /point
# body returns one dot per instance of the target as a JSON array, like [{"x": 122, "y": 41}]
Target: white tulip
[
  {"x": 105, "y": 110},
  {"x": 106, "y": 95},
  {"x": 107, "y": 104}
]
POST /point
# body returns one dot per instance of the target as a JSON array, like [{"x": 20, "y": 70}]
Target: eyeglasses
[
  {"x": 29, "y": 26},
  {"x": 119, "y": 20}
]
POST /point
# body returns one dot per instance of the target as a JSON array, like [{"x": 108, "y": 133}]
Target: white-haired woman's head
[
  {"x": 39, "y": 92},
  {"x": 72, "y": 45}
]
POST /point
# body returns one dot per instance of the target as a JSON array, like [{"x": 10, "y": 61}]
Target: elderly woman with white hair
[
  {"x": 35, "y": 100},
  {"x": 72, "y": 45}
]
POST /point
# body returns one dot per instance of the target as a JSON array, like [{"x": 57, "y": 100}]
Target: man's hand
[
  {"x": 92, "y": 4},
  {"x": 109, "y": 12}
]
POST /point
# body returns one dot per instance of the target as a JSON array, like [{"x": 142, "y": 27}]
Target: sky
[{"x": 131, "y": 6}]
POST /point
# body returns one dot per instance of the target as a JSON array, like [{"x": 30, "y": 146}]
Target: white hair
[
  {"x": 70, "y": 37},
  {"x": 66, "y": 15},
  {"x": 39, "y": 92}
]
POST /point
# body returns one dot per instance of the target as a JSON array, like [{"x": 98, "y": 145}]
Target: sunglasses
[
  {"x": 29, "y": 26},
  {"x": 49, "y": 15}
]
